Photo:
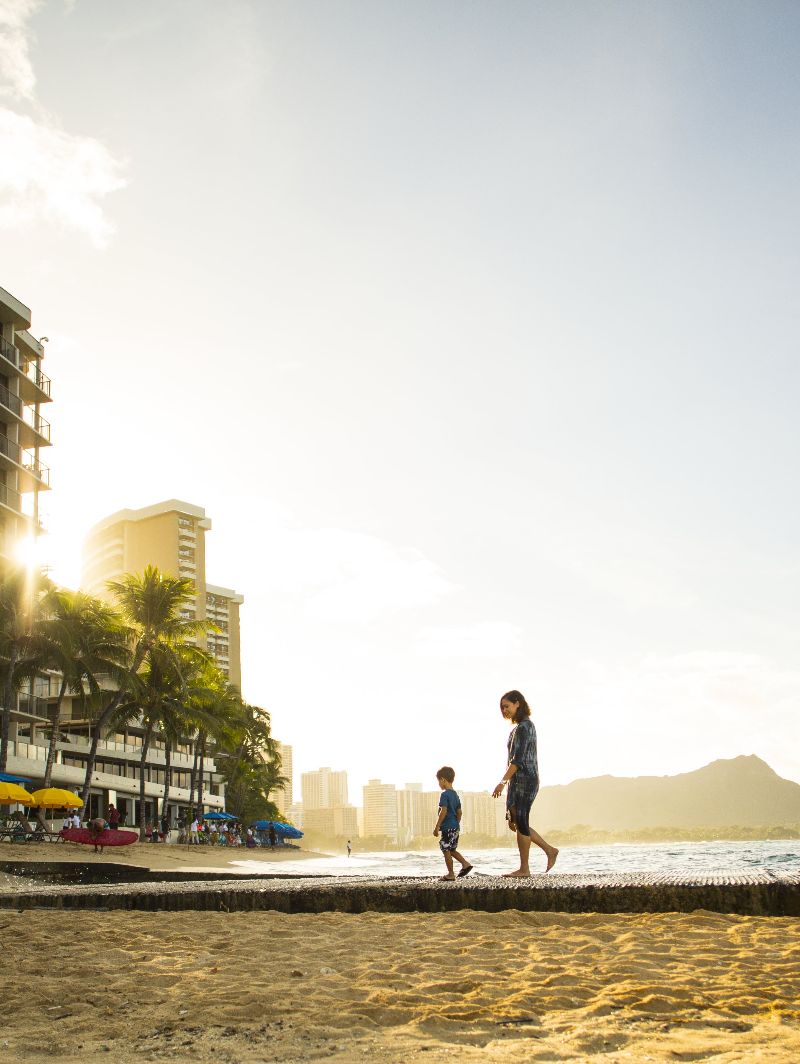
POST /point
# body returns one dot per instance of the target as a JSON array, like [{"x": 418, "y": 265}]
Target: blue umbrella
[
  {"x": 6, "y": 777},
  {"x": 219, "y": 816},
  {"x": 287, "y": 831}
]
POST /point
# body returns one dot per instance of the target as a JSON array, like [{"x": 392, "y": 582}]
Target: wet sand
[{"x": 471, "y": 986}]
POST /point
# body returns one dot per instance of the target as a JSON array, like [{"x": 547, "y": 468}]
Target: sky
[{"x": 474, "y": 329}]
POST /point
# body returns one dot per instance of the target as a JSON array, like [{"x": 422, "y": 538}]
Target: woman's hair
[{"x": 523, "y": 709}]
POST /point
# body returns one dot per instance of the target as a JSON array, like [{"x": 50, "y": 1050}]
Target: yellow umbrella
[
  {"x": 55, "y": 798},
  {"x": 11, "y": 793}
]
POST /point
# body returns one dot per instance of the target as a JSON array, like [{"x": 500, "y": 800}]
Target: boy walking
[{"x": 449, "y": 824}]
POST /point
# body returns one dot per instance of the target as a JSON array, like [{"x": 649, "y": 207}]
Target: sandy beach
[
  {"x": 265, "y": 986},
  {"x": 160, "y": 857}
]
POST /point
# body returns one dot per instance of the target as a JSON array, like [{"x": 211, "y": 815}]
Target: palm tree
[
  {"x": 214, "y": 708},
  {"x": 151, "y": 605},
  {"x": 82, "y": 638},
  {"x": 252, "y": 768},
  {"x": 21, "y": 592}
]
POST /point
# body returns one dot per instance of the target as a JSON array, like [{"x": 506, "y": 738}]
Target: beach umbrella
[
  {"x": 219, "y": 816},
  {"x": 12, "y": 793},
  {"x": 286, "y": 831},
  {"x": 55, "y": 798},
  {"x": 7, "y": 777}
]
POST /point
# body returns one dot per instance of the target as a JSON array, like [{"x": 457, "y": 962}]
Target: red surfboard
[{"x": 107, "y": 837}]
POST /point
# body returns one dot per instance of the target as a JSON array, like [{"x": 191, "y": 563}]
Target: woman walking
[{"x": 522, "y": 777}]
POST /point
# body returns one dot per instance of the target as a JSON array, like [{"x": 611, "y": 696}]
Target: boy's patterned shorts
[{"x": 448, "y": 839}]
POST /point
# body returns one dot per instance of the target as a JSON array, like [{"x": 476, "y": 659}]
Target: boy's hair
[{"x": 446, "y": 773}]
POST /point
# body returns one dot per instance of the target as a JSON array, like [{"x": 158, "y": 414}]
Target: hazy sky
[{"x": 474, "y": 328}]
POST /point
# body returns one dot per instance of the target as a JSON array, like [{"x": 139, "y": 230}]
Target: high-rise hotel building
[
  {"x": 24, "y": 389},
  {"x": 171, "y": 536}
]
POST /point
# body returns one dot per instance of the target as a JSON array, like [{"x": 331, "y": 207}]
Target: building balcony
[
  {"x": 32, "y": 474},
  {"x": 10, "y": 499},
  {"x": 33, "y": 429},
  {"x": 34, "y": 386}
]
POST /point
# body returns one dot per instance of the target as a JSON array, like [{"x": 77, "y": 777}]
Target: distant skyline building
[
  {"x": 171, "y": 536},
  {"x": 284, "y": 797},
  {"x": 323, "y": 789},
  {"x": 380, "y": 810}
]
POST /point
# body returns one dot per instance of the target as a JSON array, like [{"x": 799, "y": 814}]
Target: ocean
[{"x": 703, "y": 858}]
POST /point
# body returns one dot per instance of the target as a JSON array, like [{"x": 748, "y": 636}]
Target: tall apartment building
[
  {"x": 323, "y": 789},
  {"x": 380, "y": 810},
  {"x": 284, "y": 798},
  {"x": 416, "y": 812},
  {"x": 325, "y": 806},
  {"x": 24, "y": 389},
  {"x": 171, "y": 536}
]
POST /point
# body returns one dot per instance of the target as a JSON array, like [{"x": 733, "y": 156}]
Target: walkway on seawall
[{"x": 759, "y": 894}]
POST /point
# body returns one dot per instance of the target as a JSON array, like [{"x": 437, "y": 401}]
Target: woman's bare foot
[
  {"x": 552, "y": 855},
  {"x": 519, "y": 874}
]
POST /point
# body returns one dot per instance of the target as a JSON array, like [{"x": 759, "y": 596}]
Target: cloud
[
  {"x": 46, "y": 173},
  {"x": 17, "y": 78},
  {"x": 486, "y": 639}
]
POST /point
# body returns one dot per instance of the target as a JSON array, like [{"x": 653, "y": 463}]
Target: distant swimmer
[{"x": 522, "y": 777}]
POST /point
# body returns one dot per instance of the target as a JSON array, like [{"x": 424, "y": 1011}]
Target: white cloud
[
  {"x": 17, "y": 78},
  {"x": 46, "y": 174},
  {"x": 485, "y": 639}
]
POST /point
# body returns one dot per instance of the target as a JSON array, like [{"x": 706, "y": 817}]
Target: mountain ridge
[{"x": 741, "y": 791}]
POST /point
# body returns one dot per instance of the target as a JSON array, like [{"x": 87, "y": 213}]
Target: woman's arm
[{"x": 511, "y": 771}]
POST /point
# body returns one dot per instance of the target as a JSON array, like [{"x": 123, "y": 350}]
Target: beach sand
[
  {"x": 463, "y": 986},
  {"x": 161, "y": 857}
]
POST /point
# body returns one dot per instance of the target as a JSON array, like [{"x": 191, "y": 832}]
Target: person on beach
[
  {"x": 522, "y": 777},
  {"x": 194, "y": 833},
  {"x": 113, "y": 817},
  {"x": 349, "y": 847},
  {"x": 96, "y": 828},
  {"x": 449, "y": 824}
]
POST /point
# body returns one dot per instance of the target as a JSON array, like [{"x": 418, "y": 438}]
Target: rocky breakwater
[{"x": 759, "y": 894}]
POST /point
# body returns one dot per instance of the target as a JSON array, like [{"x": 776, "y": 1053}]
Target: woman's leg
[{"x": 543, "y": 844}]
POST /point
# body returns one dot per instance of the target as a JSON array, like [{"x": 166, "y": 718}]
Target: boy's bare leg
[
  {"x": 462, "y": 860},
  {"x": 448, "y": 860}
]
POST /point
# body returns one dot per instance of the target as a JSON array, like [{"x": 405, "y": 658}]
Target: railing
[
  {"x": 110, "y": 746},
  {"x": 10, "y": 401},
  {"x": 24, "y": 412},
  {"x": 10, "y": 498},
  {"x": 34, "y": 373},
  {"x": 36, "y": 421},
  {"x": 9, "y": 352},
  {"x": 26, "y": 459}
]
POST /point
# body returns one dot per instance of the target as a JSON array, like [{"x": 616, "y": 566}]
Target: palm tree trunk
[
  {"x": 101, "y": 722},
  {"x": 8, "y": 694},
  {"x": 143, "y": 759},
  {"x": 51, "y": 748},
  {"x": 167, "y": 773},
  {"x": 96, "y": 732},
  {"x": 193, "y": 777},
  {"x": 201, "y": 768}
]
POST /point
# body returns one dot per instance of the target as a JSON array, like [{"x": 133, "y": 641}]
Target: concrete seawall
[{"x": 761, "y": 894}]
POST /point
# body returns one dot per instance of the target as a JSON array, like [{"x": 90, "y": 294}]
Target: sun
[{"x": 58, "y": 556}]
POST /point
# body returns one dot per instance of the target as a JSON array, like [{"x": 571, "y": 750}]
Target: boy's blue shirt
[{"x": 450, "y": 801}]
